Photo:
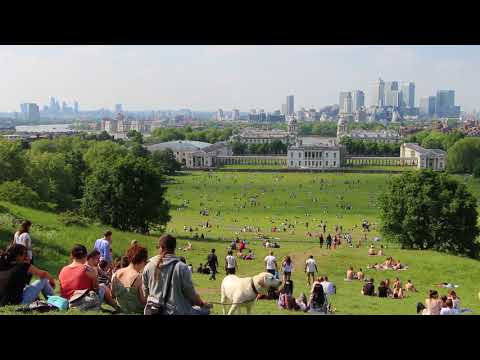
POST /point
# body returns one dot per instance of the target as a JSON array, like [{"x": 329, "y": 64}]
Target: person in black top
[
  {"x": 369, "y": 288},
  {"x": 14, "y": 277},
  {"x": 213, "y": 264},
  {"x": 329, "y": 241},
  {"x": 382, "y": 290},
  {"x": 321, "y": 240}
]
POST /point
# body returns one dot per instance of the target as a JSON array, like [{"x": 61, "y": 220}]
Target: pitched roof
[{"x": 179, "y": 145}]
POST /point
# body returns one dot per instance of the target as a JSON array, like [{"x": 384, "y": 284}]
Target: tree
[
  {"x": 128, "y": 194},
  {"x": 476, "y": 169},
  {"x": 462, "y": 155},
  {"x": 135, "y": 136},
  {"x": 239, "y": 148},
  {"x": 166, "y": 162},
  {"x": 18, "y": 193},
  {"x": 434, "y": 140},
  {"x": 429, "y": 210},
  {"x": 12, "y": 160}
]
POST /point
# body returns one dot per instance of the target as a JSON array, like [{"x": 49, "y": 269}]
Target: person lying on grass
[{"x": 409, "y": 287}]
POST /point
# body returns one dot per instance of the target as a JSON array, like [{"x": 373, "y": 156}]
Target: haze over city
[{"x": 212, "y": 77}]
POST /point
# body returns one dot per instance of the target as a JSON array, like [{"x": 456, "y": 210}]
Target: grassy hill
[{"x": 300, "y": 198}]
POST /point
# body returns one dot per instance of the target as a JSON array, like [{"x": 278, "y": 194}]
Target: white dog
[{"x": 242, "y": 292}]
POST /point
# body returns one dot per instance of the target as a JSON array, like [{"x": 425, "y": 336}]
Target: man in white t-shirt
[
  {"x": 230, "y": 263},
  {"x": 271, "y": 263},
  {"x": 328, "y": 287},
  {"x": 310, "y": 269}
]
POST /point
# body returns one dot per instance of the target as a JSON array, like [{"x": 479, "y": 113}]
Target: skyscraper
[
  {"x": 290, "y": 105},
  {"x": 30, "y": 111},
  {"x": 358, "y": 100},
  {"x": 75, "y": 107},
  {"x": 64, "y": 107},
  {"x": 235, "y": 115},
  {"x": 408, "y": 95},
  {"x": 284, "y": 109},
  {"x": 377, "y": 95},
  {"x": 53, "y": 105},
  {"x": 118, "y": 108},
  {"x": 445, "y": 105},
  {"x": 345, "y": 102},
  {"x": 220, "y": 115},
  {"x": 427, "y": 105},
  {"x": 392, "y": 98}
]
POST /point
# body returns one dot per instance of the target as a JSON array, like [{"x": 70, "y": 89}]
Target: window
[
  {"x": 326, "y": 163},
  {"x": 326, "y": 154},
  {"x": 291, "y": 154},
  {"x": 291, "y": 163},
  {"x": 334, "y": 163},
  {"x": 320, "y": 163},
  {"x": 299, "y": 163},
  {"x": 334, "y": 155},
  {"x": 299, "y": 154},
  {"x": 305, "y": 163}
]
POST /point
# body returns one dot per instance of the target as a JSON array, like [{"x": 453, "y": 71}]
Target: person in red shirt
[{"x": 79, "y": 276}]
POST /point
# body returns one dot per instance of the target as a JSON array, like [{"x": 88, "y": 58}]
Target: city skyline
[{"x": 206, "y": 78}]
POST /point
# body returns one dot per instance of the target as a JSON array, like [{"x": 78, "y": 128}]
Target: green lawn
[{"x": 300, "y": 197}]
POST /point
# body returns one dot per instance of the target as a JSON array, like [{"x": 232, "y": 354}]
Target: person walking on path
[
  {"x": 310, "y": 269},
  {"x": 271, "y": 263},
  {"x": 212, "y": 262},
  {"x": 230, "y": 263},
  {"x": 321, "y": 240},
  {"x": 103, "y": 246}
]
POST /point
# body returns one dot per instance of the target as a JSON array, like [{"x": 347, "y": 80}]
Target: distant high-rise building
[
  {"x": 392, "y": 94},
  {"x": 377, "y": 95},
  {"x": 75, "y": 107},
  {"x": 345, "y": 102},
  {"x": 30, "y": 111},
  {"x": 235, "y": 115},
  {"x": 53, "y": 105},
  {"x": 408, "y": 95},
  {"x": 445, "y": 104},
  {"x": 284, "y": 109},
  {"x": 290, "y": 105},
  {"x": 428, "y": 105},
  {"x": 358, "y": 100},
  {"x": 118, "y": 108},
  {"x": 220, "y": 115},
  {"x": 64, "y": 107}
]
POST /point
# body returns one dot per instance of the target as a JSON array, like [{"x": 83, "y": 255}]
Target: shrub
[
  {"x": 69, "y": 218},
  {"x": 18, "y": 193}
]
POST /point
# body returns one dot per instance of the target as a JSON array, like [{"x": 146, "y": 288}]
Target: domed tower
[
  {"x": 341, "y": 126},
  {"x": 293, "y": 130}
]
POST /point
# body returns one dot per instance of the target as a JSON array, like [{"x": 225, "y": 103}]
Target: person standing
[
  {"x": 321, "y": 240},
  {"x": 230, "y": 263},
  {"x": 22, "y": 237},
  {"x": 271, "y": 263},
  {"x": 103, "y": 246},
  {"x": 212, "y": 262},
  {"x": 310, "y": 269},
  {"x": 287, "y": 267},
  {"x": 324, "y": 227},
  {"x": 329, "y": 241}
]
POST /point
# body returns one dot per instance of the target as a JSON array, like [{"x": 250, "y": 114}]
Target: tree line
[
  {"x": 276, "y": 147},
  {"x": 119, "y": 183},
  {"x": 210, "y": 135},
  {"x": 369, "y": 148}
]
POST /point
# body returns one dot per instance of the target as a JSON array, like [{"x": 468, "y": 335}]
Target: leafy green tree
[
  {"x": 462, "y": 155},
  {"x": 429, "y": 210},
  {"x": 166, "y": 162},
  {"x": 104, "y": 151},
  {"x": 239, "y": 148},
  {"x": 135, "y": 136},
  {"x": 434, "y": 140},
  {"x": 18, "y": 193},
  {"x": 12, "y": 160},
  {"x": 128, "y": 194},
  {"x": 476, "y": 169}
]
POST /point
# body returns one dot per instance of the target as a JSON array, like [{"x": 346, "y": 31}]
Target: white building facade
[
  {"x": 435, "y": 159},
  {"x": 314, "y": 157}
]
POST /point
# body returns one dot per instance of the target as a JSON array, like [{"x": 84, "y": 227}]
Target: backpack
[
  {"x": 163, "y": 307},
  {"x": 58, "y": 301},
  {"x": 85, "y": 300}
]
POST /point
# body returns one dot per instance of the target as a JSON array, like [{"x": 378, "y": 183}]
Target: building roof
[
  {"x": 318, "y": 140},
  {"x": 422, "y": 150},
  {"x": 314, "y": 147},
  {"x": 374, "y": 134},
  {"x": 179, "y": 145},
  {"x": 260, "y": 133},
  {"x": 217, "y": 146}
]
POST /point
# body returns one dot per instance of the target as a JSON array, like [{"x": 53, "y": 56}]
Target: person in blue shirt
[{"x": 103, "y": 246}]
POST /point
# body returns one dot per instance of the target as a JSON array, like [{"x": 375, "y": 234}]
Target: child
[{"x": 104, "y": 275}]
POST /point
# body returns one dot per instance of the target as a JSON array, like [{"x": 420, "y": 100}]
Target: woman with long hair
[
  {"x": 287, "y": 267},
  {"x": 318, "y": 301},
  {"x": 22, "y": 237},
  {"x": 15, "y": 274}
]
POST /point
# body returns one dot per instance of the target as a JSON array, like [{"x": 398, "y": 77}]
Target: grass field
[{"x": 300, "y": 198}]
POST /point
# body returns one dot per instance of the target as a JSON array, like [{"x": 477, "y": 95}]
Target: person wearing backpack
[
  {"x": 318, "y": 301},
  {"x": 15, "y": 271},
  {"x": 168, "y": 286}
]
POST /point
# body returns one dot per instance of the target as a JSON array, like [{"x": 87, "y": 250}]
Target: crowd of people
[{"x": 385, "y": 290}]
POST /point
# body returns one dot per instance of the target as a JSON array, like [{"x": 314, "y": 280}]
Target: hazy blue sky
[{"x": 212, "y": 77}]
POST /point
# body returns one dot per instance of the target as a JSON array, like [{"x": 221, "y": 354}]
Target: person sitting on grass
[
  {"x": 369, "y": 288},
  {"x": 189, "y": 247},
  {"x": 15, "y": 273},
  {"x": 127, "y": 282},
  {"x": 350, "y": 274},
  {"x": 206, "y": 270},
  {"x": 433, "y": 304},
  {"x": 302, "y": 302},
  {"x": 387, "y": 285},
  {"x": 371, "y": 251},
  {"x": 249, "y": 256},
  {"x": 200, "y": 269},
  {"x": 452, "y": 295},
  {"x": 360, "y": 275},
  {"x": 285, "y": 298},
  {"x": 397, "y": 289},
  {"x": 329, "y": 288},
  {"x": 410, "y": 287},
  {"x": 79, "y": 276},
  {"x": 380, "y": 252},
  {"x": 448, "y": 309},
  {"x": 318, "y": 302},
  {"x": 382, "y": 290}
]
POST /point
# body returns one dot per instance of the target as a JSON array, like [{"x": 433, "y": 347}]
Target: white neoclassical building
[
  {"x": 435, "y": 159},
  {"x": 314, "y": 156}
]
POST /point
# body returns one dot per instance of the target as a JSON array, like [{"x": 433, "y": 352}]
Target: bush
[
  {"x": 476, "y": 168},
  {"x": 69, "y": 218},
  {"x": 18, "y": 193}
]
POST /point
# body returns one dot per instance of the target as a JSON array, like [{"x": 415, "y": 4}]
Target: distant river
[{"x": 53, "y": 128}]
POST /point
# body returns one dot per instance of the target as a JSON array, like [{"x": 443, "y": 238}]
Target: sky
[{"x": 206, "y": 78}]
